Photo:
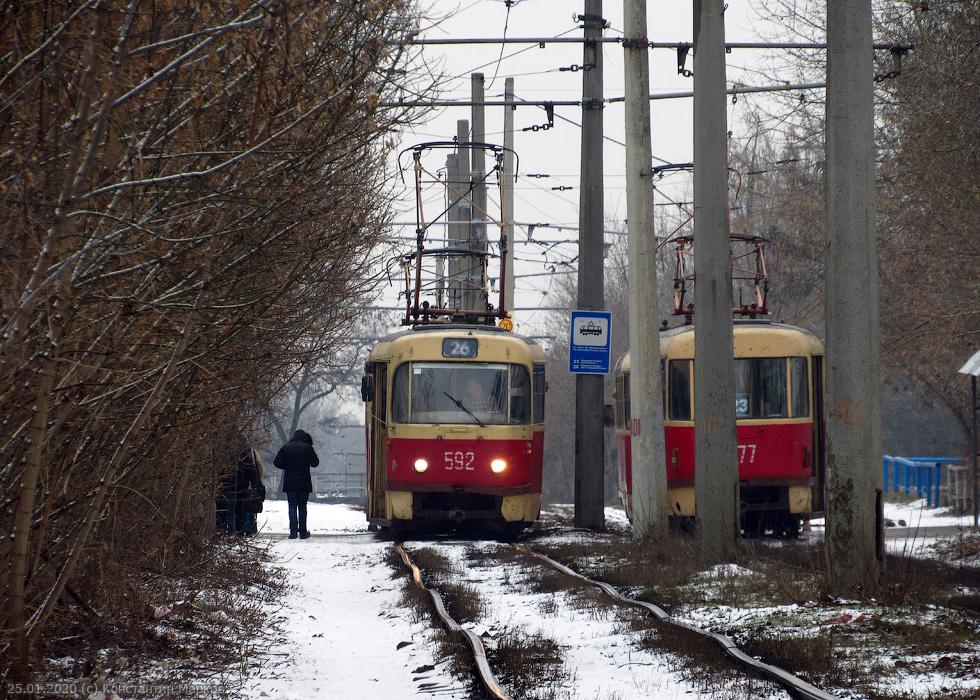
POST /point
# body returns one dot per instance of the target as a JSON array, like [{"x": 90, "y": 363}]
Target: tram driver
[{"x": 482, "y": 393}]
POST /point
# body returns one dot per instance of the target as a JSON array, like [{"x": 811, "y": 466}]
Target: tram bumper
[{"x": 458, "y": 506}]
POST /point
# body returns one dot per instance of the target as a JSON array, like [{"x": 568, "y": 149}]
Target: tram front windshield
[{"x": 468, "y": 393}]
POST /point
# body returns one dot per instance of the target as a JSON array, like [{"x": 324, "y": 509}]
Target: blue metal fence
[{"x": 925, "y": 475}]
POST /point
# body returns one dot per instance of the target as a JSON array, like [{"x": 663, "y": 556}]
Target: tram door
[{"x": 379, "y": 437}]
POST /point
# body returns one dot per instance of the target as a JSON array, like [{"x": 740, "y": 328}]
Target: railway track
[{"x": 535, "y": 627}]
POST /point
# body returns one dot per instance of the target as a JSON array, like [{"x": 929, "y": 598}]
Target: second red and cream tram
[{"x": 777, "y": 372}]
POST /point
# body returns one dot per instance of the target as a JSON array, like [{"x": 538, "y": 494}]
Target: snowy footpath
[{"x": 344, "y": 632}]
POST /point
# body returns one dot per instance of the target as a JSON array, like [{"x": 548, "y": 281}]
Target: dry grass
[
  {"x": 964, "y": 548},
  {"x": 463, "y": 601},
  {"x": 917, "y": 618},
  {"x": 530, "y": 665},
  {"x": 527, "y": 663},
  {"x": 449, "y": 648},
  {"x": 915, "y": 626},
  {"x": 214, "y": 618}
]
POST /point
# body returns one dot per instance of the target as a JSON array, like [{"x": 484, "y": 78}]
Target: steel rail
[
  {"x": 479, "y": 652},
  {"x": 797, "y": 686}
]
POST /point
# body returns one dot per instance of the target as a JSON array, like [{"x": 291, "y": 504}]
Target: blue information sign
[{"x": 589, "y": 353}]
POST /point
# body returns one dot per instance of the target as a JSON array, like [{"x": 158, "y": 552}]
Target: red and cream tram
[
  {"x": 778, "y": 375},
  {"x": 455, "y": 428},
  {"x": 454, "y": 407},
  {"x": 778, "y": 407}
]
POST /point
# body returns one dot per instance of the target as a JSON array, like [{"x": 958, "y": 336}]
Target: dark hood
[{"x": 302, "y": 436}]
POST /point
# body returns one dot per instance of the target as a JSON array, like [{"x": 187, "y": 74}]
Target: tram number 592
[
  {"x": 460, "y": 461},
  {"x": 746, "y": 454}
]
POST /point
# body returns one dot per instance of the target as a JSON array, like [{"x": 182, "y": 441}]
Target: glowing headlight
[
  {"x": 421, "y": 465},
  {"x": 497, "y": 466}
]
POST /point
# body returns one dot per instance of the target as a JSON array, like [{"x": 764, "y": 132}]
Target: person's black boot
[
  {"x": 293, "y": 535},
  {"x": 304, "y": 535}
]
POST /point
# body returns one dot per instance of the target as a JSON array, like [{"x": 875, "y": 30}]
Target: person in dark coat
[
  {"x": 296, "y": 458},
  {"x": 237, "y": 481},
  {"x": 256, "y": 494}
]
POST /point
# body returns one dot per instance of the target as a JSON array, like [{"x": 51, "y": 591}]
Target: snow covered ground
[{"x": 346, "y": 635}]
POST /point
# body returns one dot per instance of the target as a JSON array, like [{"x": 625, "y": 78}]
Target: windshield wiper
[{"x": 462, "y": 405}]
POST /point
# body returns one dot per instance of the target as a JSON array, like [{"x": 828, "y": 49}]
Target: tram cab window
[
  {"x": 452, "y": 392},
  {"x": 762, "y": 388}
]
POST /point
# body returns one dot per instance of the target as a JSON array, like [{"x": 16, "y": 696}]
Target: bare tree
[
  {"x": 931, "y": 200},
  {"x": 317, "y": 381},
  {"x": 927, "y": 169},
  {"x": 193, "y": 194}
]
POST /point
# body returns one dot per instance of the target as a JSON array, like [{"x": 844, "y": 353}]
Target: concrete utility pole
[
  {"x": 854, "y": 538},
  {"x": 972, "y": 370},
  {"x": 650, "y": 507},
  {"x": 589, "y": 438},
  {"x": 508, "y": 194},
  {"x": 716, "y": 495},
  {"x": 457, "y": 228},
  {"x": 478, "y": 232},
  {"x": 460, "y": 266}
]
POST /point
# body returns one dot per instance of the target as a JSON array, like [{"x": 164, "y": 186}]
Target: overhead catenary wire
[
  {"x": 673, "y": 45},
  {"x": 735, "y": 90},
  {"x": 528, "y": 43}
]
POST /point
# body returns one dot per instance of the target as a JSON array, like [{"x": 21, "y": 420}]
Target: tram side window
[
  {"x": 539, "y": 389},
  {"x": 760, "y": 387},
  {"x": 399, "y": 395},
  {"x": 800, "y": 386},
  {"x": 679, "y": 389}
]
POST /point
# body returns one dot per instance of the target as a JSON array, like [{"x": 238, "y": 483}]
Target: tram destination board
[{"x": 589, "y": 346}]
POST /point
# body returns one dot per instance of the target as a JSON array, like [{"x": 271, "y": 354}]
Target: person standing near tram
[{"x": 296, "y": 458}]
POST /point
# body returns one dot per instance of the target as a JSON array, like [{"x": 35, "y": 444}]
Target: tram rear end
[{"x": 777, "y": 372}]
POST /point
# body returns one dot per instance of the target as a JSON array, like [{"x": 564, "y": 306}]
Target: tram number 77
[
  {"x": 746, "y": 451},
  {"x": 459, "y": 461}
]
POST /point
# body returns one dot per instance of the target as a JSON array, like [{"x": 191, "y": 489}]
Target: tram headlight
[
  {"x": 497, "y": 466},
  {"x": 421, "y": 465}
]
